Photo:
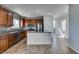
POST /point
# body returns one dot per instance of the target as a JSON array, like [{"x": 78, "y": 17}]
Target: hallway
[{"x": 60, "y": 46}]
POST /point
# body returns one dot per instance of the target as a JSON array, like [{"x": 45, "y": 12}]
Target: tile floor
[{"x": 59, "y": 46}]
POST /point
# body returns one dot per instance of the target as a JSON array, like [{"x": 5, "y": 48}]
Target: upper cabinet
[
  {"x": 6, "y": 17},
  {"x": 10, "y": 19},
  {"x": 3, "y": 17},
  {"x": 22, "y": 22},
  {"x": 25, "y": 22}
]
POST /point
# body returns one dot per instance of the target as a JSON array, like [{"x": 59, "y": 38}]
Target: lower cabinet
[
  {"x": 3, "y": 43},
  {"x": 11, "y": 40},
  {"x": 22, "y": 35},
  {"x": 8, "y": 40}
]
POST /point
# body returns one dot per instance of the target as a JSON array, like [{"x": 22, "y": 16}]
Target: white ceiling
[{"x": 34, "y": 10}]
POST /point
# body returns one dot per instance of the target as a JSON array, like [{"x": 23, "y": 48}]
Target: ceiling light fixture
[
  {"x": 37, "y": 10},
  {"x": 28, "y": 13},
  {"x": 49, "y": 14}
]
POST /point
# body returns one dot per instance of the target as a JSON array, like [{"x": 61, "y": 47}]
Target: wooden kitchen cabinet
[
  {"x": 11, "y": 40},
  {"x": 3, "y": 17},
  {"x": 6, "y": 41},
  {"x": 22, "y": 23},
  {"x": 3, "y": 43},
  {"x": 27, "y": 21},
  {"x": 6, "y": 17},
  {"x": 31, "y": 21},
  {"x": 10, "y": 19},
  {"x": 22, "y": 35}
]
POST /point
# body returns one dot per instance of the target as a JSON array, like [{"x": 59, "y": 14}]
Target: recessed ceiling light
[
  {"x": 49, "y": 14},
  {"x": 37, "y": 10},
  {"x": 28, "y": 13}
]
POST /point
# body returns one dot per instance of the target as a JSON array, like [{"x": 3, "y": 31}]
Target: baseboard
[
  {"x": 73, "y": 50},
  {"x": 39, "y": 44}
]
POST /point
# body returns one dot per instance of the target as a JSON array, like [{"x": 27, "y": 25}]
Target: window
[
  {"x": 16, "y": 23},
  {"x": 54, "y": 23},
  {"x": 64, "y": 25}
]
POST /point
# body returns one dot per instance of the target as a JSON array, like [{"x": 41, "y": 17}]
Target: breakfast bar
[{"x": 34, "y": 37}]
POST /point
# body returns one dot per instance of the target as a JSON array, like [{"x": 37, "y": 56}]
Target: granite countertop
[
  {"x": 15, "y": 31},
  {"x": 5, "y": 33},
  {"x": 37, "y": 32},
  {"x": 9, "y": 32}
]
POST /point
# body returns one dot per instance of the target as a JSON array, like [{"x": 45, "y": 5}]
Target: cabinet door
[
  {"x": 33, "y": 21},
  {"x": 3, "y": 43},
  {"x": 3, "y": 17},
  {"x": 26, "y": 22},
  {"x": 10, "y": 19},
  {"x": 11, "y": 39},
  {"x": 22, "y": 35},
  {"x": 22, "y": 22}
]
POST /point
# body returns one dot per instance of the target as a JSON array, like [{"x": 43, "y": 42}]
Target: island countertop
[{"x": 37, "y": 32}]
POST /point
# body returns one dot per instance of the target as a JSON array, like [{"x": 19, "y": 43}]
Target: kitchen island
[{"x": 34, "y": 37}]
